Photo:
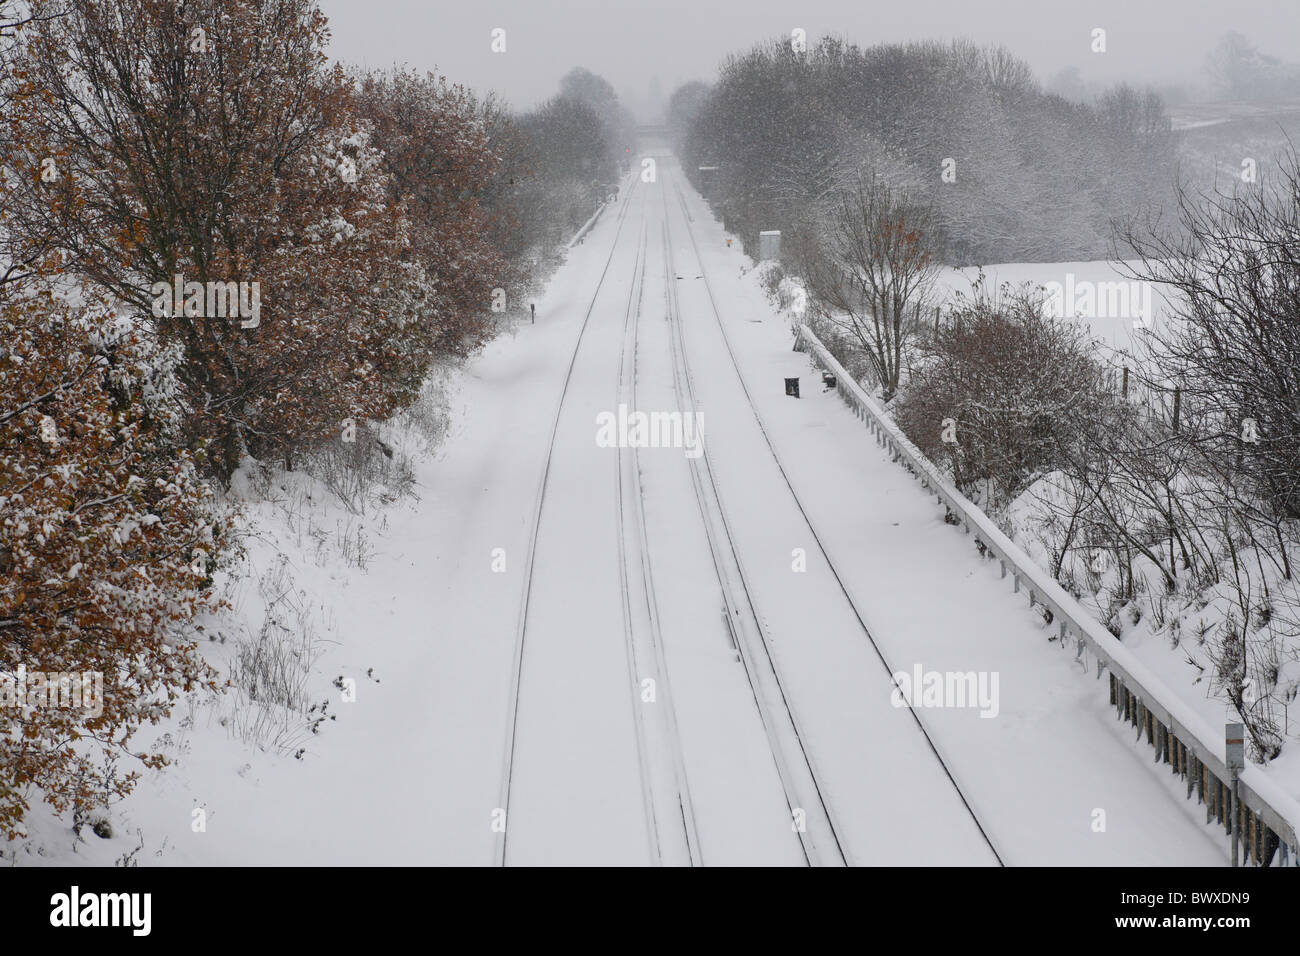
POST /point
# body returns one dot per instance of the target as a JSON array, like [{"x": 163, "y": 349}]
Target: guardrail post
[{"x": 1235, "y": 758}]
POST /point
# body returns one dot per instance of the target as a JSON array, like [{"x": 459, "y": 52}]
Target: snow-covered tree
[
  {"x": 877, "y": 262},
  {"x": 438, "y": 155},
  {"x": 108, "y": 541},
  {"x": 182, "y": 148}
]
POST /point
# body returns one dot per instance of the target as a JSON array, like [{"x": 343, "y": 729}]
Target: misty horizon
[{"x": 677, "y": 43}]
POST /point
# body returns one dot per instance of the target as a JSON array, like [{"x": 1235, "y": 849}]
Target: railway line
[
  {"x": 666, "y": 690},
  {"x": 508, "y": 782},
  {"x": 840, "y": 580},
  {"x": 805, "y": 796},
  {"x": 669, "y": 810}
]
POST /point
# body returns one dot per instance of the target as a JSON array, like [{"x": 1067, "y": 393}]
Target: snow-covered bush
[
  {"x": 108, "y": 542},
  {"x": 1001, "y": 392}
]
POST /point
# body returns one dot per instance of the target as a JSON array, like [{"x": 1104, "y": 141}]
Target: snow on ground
[
  {"x": 411, "y": 772},
  {"x": 1182, "y": 663},
  {"x": 1168, "y": 632},
  {"x": 1110, "y": 320},
  {"x": 408, "y": 773},
  {"x": 1054, "y": 754}
]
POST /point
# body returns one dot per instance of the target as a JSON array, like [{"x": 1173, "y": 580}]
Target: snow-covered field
[
  {"x": 1115, "y": 316},
  {"x": 706, "y": 767}
]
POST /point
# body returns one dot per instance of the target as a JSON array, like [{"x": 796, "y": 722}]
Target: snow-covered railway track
[
  {"x": 811, "y": 818},
  {"x": 508, "y": 770},
  {"x": 817, "y": 539},
  {"x": 670, "y": 813}
]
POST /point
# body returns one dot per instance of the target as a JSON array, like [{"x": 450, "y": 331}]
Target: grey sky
[{"x": 629, "y": 41}]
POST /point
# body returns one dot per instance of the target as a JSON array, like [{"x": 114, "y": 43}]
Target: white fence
[{"x": 1179, "y": 736}]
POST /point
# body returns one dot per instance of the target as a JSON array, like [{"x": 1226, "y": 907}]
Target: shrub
[{"x": 1001, "y": 392}]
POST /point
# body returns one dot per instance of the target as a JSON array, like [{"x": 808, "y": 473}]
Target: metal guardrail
[
  {"x": 1266, "y": 816},
  {"x": 586, "y": 227}
]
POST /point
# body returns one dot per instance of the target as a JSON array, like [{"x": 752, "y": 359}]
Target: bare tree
[
  {"x": 1234, "y": 343},
  {"x": 878, "y": 265}
]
